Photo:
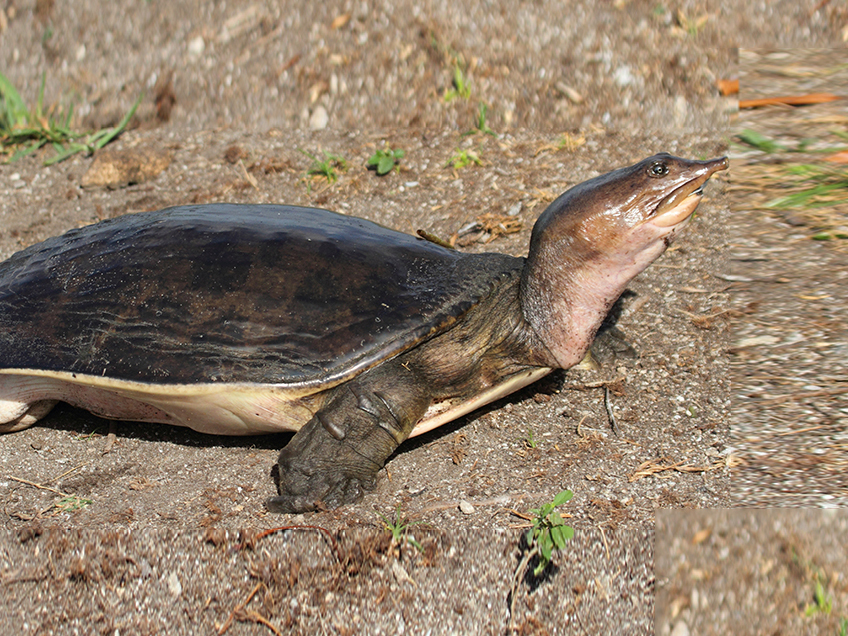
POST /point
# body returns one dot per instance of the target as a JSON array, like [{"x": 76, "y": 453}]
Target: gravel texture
[{"x": 169, "y": 542}]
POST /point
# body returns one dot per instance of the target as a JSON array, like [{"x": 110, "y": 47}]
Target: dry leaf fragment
[
  {"x": 701, "y": 536},
  {"x": 839, "y": 157},
  {"x": 728, "y": 86},
  {"x": 340, "y": 21}
]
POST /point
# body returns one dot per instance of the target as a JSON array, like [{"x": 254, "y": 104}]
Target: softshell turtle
[{"x": 242, "y": 319}]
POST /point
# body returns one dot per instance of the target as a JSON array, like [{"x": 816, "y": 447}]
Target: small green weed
[
  {"x": 530, "y": 441},
  {"x": 759, "y": 141},
  {"x": 463, "y": 158},
  {"x": 762, "y": 143},
  {"x": 480, "y": 124},
  {"x": 400, "y": 530},
  {"x": 549, "y": 531},
  {"x": 822, "y": 602},
  {"x": 326, "y": 168},
  {"x": 72, "y": 502},
  {"x": 460, "y": 86},
  {"x": 24, "y": 130},
  {"x": 689, "y": 25},
  {"x": 827, "y": 187},
  {"x": 386, "y": 160}
]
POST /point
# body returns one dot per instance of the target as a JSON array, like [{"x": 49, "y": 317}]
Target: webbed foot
[
  {"x": 317, "y": 471},
  {"x": 335, "y": 458}
]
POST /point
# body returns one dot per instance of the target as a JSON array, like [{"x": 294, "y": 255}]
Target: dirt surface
[
  {"x": 750, "y": 572},
  {"x": 790, "y": 422},
  {"x": 757, "y": 571},
  {"x": 169, "y": 539}
]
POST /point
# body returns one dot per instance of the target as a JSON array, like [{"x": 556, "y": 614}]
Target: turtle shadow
[
  {"x": 549, "y": 385},
  {"x": 82, "y": 423},
  {"x": 70, "y": 419}
]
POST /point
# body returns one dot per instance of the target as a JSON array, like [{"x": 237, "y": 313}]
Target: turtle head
[{"x": 596, "y": 237}]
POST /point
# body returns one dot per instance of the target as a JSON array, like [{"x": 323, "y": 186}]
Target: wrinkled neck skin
[
  {"x": 595, "y": 238},
  {"x": 567, "y": 289}
]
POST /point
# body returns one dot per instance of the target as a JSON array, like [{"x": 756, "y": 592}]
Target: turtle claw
[
  {"x": 344, "y": 491},
  {"x": 319, "y": 471},
  {"x": 303, "y": 490}
]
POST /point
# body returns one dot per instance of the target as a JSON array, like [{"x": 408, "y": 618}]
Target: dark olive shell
[{"x": 232, "y": 293}]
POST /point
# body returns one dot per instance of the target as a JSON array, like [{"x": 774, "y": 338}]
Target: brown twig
[
  {"x": 40, "y": 486},
  {"x": 802, "y": 430},
  {"x": 728, "y": 86},
  {"x": 654, "y": 466},
  {"x": 789, "y": 100},
  {"x": 608, "y": 407},
  {"x": 256, "y": 617},
  {"x": 520, "y": 571},
  {"x": 237, "y": 609},
  {"x": 66, "y": 473},
  {"x": 604, "y": 537},
  {"x": 111, "y": 438}
]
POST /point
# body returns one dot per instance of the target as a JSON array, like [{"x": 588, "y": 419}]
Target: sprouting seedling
[
  {"x": 822, "y": 602},
  {"x": 326, "y": 168},
  {"x": 72, "y": 502},
  {"x": 460, "y": 86},
  {"x": 759, "y": 141},
  {"x": 530, "y": 441},
  {"x": 462, "y": 158},
  {"x": 384, "y": 161},
  {"x": 547, "y": 533},
  {"x": 399, "y": 530},
  {"x": 480, "y": 123},
  {"x": 482, "y": 126}
]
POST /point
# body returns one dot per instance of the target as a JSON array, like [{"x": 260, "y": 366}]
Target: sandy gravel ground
[{"x": 170, "y": 539}]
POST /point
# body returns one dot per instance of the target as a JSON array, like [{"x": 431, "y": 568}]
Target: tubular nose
[{"x": 721, "y": 163}]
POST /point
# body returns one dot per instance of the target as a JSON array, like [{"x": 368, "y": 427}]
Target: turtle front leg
[{"x": 336, "y": 456}]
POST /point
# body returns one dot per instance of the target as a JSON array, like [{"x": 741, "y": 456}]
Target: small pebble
[
  {"x": 623, "y": 76},
  {"x": 319, "y": 118},
  {"x": 756, "y": 341},
  {"x": 400, "y": 573},
  {"x": 174, "y": 584},
  {"x": 680, "y": 629},
  {"x": 466, "y": 507},
  {"x": 195, "y": 47}
]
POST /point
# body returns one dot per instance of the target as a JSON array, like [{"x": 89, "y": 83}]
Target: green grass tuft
[{"x": 24, "y": 130}]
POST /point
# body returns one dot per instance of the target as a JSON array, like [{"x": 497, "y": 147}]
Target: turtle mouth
[{"x": 681, "y": 203}]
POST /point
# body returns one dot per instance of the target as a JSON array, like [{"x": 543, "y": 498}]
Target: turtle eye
[{"x": 658, "y": 169}]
